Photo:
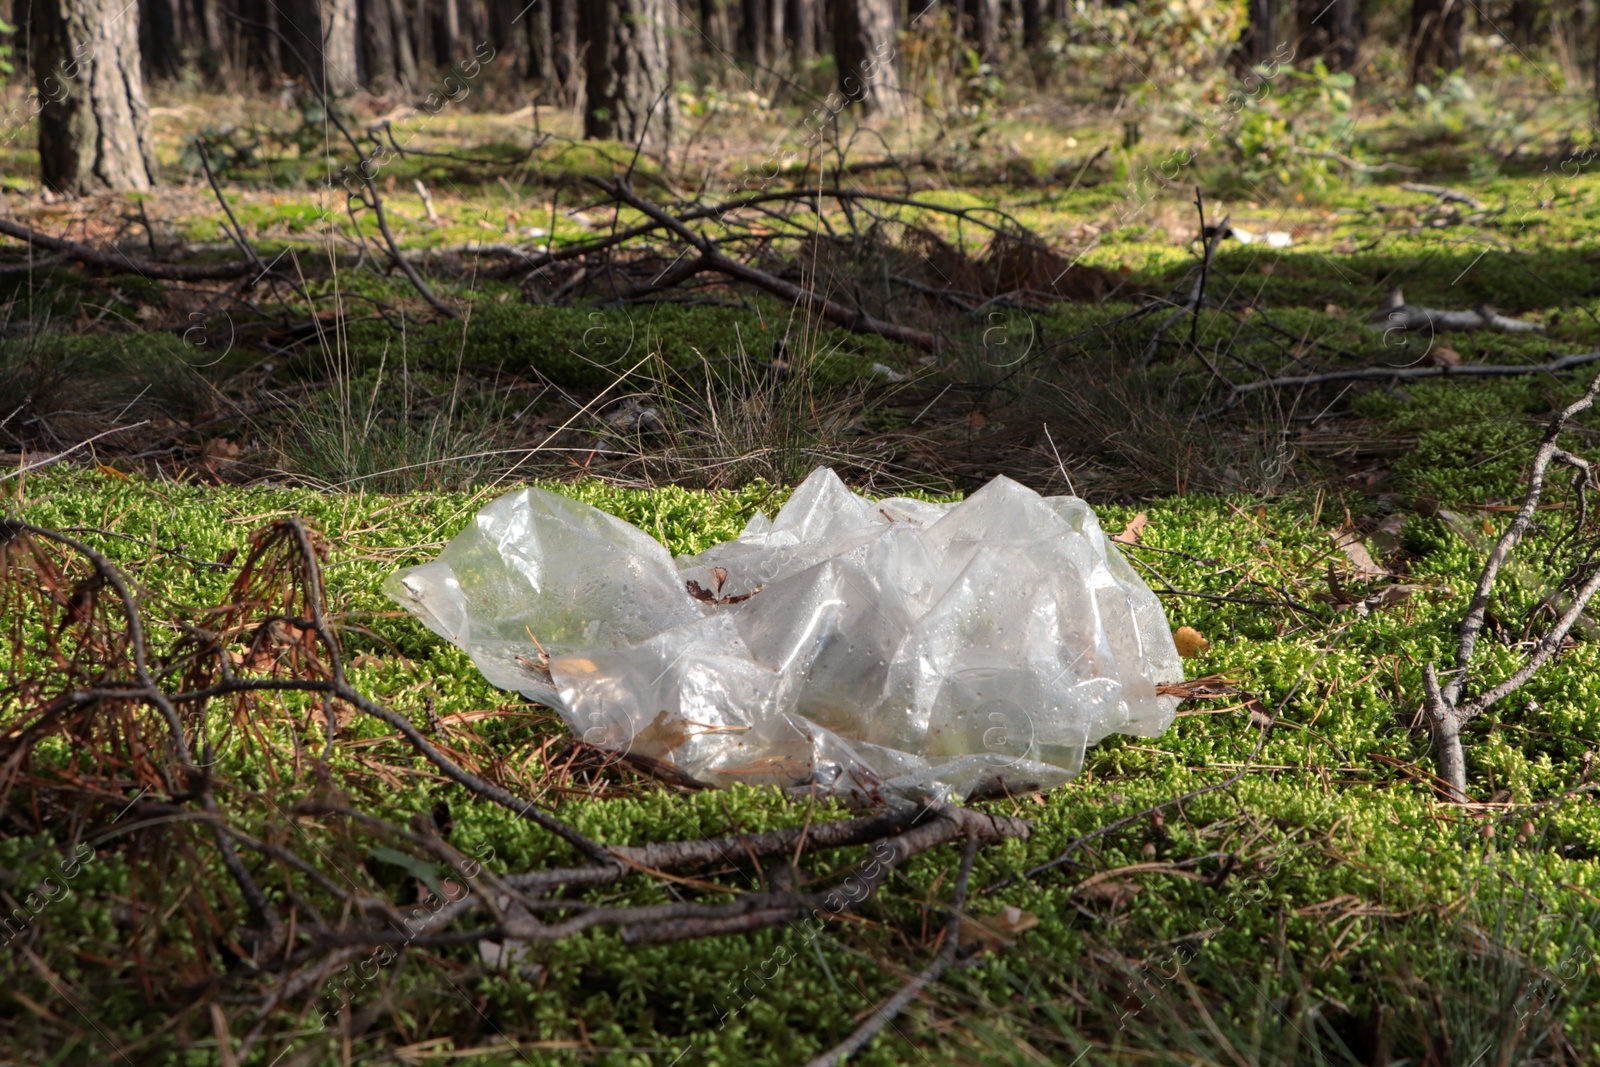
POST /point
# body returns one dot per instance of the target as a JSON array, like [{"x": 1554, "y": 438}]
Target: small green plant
[
  {"x": 393, "y": 430},
  {"x": 1293, "y": 137}
]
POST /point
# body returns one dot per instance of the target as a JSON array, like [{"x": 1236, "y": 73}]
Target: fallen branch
[
  {"x": 1447, "y": 195},
  {"x": 1406, "y": 374},
  {"x": 1446, "y": 711},
  {"x": 1196, "y": 298},
  {"x": 120, "y": 261},
  {"x": 805, "y": 196},
  {"x": 1355, "y": 164},
  {"x": 1398, "y": 315},
  {"x": 712, "y": 259},
  {"x": 885, "y": 1014}
]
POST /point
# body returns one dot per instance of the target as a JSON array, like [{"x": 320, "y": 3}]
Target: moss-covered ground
[{"x": 1340, "y": 896}]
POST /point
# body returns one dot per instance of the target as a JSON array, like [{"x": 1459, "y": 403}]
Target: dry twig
[{"x": 1447, "y": 712}]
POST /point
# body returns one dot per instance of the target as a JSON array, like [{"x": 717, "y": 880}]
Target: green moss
[{"x": 1328, "y": 811}]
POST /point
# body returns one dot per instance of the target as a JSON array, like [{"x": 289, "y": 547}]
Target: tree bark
[
  {"x": 1032, "y": 23},
  {"x": 510, "y": 37},
  {"x": 447, "y": 42},
  {"x": 377, "y": 44},
  {"x": 540, "y": 46},
  {"x": 341, "y": 52},
  {"x": 627, "y": 70},
  {"x": 1435, "y": 44},
  {"x": 982, "y": 26},
  {"x": 94, "y": 126},
  {"x": 801, "y": 25},
  {"x": 1523, "y": 17},
  {"x": 864, "y": 48},
  {"x": 1262, "y": 34},
  {"x": 753, "y": 31},
  {"x": 212, "y": 34},
  {"x": 158, "y": 39},
  {"x": 777, "y": 31},
  {"x": 1329, "y": 30},
  {"x": 565, "y": 49},
  {"x": 323, "y": 42},
  {"x": 405, "y": 54}
]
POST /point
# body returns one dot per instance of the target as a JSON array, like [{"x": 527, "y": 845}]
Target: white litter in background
[
  {"x": 849, "y": 645},
  {"x": 1274, "y": 238}
]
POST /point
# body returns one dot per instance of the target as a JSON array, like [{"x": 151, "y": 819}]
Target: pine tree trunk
[
  {"x": 448, "y": 41},
  {"x": 405, "y": 54},
  {"x": 983, "y": 27},
  {"x": 753, "y": 30},
  {"x": 94, "y": 127},
  {"x": 800, "y": 26},
  {"x": 565, "y": 49},
  {"x": 212, "y": 33},
  {"x": 1347, "y": 30},
  {"x": 541, "y": 48},
  {"x": 508, "y": 38},
  {"x": 627, "y": 69},
  {"x": 158, "y": 39},
  {"x": 262, "y": 49},
  {"x": 1436, "y": 29},
  {"x": 377, "y": 44},
  {"x": 1262, "y": 35},
  {"x": 714, "y": 25},
  {"x": 864, "y": 48},
  {"x": 1032, "y": 23},
  {"x": 1523, "y": 17},
  {"x": 777, "y": 21}
]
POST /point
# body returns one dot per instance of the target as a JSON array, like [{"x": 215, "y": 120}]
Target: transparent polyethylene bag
[{"x": 847, "y": 645}]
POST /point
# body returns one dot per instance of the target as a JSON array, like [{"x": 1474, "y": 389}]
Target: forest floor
[{"x": 1326, "y": 907}]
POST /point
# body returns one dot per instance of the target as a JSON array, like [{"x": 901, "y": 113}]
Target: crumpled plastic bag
[{"x": 847, "y": 645}]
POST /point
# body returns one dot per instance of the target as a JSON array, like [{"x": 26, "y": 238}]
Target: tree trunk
[
  {"x": 1436, "y": 28},
  {"x": 422, "y": 31},
  {"x": 323, "y": 42},
  {"x": 1523, "y": 17},
  {"x": 1348, "y": 29},
  {"x": 714, "y": 27},
  {"x": 94, "y": 127},
  {"x": 541, "y": 48},
  {"x": 1262, "y": 34},
  {"x": 158, "y": 39},
  {"x": 212, "y": 32},
  {"x": 864, "y": 47},
  {"x": 753, "y": 31},
  {"x": 565, "y": 49},
  {"x": 405, "y": 55},
  {"x": 510, "y": 38},
  {"x": 341, "y": 52},
  {"x": 377, "y": 44},
  {"x": 447, "y": 43},
  {"x": 473, "y": 26},
  {"x": 1329, "y": 30},
  {"x": 800, "y": 27},
  {"x": 262, "y": 50},
  {"x": 777, "y": 30},
  {"x": 1032, "y": 23},
  {"x": 627, "y": 70},
  {"x": 982, "y": 26}
]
